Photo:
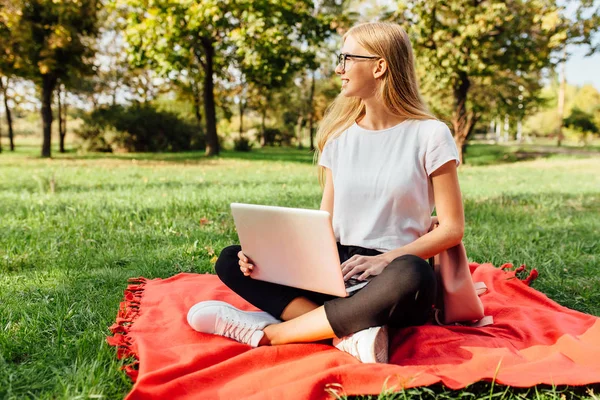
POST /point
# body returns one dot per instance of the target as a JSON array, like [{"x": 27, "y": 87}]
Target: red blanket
[{"x": 533, "y": 340}]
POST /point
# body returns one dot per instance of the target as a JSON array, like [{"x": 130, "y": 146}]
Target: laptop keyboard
[
  {"x": 352, "y": 282},
  {"x": 353, "y": 285}
]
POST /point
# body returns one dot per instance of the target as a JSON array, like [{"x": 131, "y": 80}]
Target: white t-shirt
[{"x": 383, "y": 198}]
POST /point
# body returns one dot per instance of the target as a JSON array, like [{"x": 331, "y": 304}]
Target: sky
[{"x": 582, "y": 70}]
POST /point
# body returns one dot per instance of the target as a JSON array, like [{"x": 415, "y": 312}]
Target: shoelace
[
  {"x": 350, "y": 345},
  {"x": 235, "y": 330}
]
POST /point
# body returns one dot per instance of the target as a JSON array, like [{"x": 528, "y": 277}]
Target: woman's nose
[{"x": 338, "y": 69}]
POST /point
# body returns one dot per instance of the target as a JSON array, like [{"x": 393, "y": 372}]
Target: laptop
[{"x": 293, "y": 247}]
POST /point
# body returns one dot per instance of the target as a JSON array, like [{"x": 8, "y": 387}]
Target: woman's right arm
[{"x": 327, "y": 200}]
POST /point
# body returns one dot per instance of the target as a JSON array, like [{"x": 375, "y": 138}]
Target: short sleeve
[
  {"x": 327, "y": 156},
  {"x": 441, "y": 148}
]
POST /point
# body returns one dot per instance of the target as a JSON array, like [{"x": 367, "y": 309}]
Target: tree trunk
[
  {"x": 0, "y": 136},
  {"x": 48, "y": 85},
  {"x": 461, "y": 147},
  {"x": 263, "y": 116},
  {"x": 60, "y": 119},
  {"x": 242, "y": 107},
  {"x": 63, "y": 132},
  {"x": 463, "y": 121},
  {"x": 212, "y": 139},
  {"x": 196, "y": 99},
  {"x": 561, "y": 98},
  {"x": 9, "y": 121},
  {"x": 311, "y": 112},
  {"x": 299, "y": 130}
]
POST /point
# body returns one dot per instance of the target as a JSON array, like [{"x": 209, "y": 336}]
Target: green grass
[{"x": 74, "y": 228}]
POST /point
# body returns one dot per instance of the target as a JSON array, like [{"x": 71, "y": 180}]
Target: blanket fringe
[
  {"x": 128, "y": 313},
  {"x": 533, "y": 274}
]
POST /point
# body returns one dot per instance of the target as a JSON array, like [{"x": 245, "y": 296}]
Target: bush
[
  {"x": 242, "y": 144},
  {"x": 275, "y": 136},
  {"x": 138, "y": 128}
]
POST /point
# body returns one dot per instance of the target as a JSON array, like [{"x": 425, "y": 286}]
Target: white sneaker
[
  {"x": 368, "y": 346},
  {"x": 220, "y": 318}
]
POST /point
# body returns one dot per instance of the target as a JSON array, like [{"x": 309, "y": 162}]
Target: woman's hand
[
  {"x": 245, "y": 264},
  {"x": 368, "y": 265}
]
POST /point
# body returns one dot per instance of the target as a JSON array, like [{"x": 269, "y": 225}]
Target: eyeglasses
[{"x": 344, "y": 56}]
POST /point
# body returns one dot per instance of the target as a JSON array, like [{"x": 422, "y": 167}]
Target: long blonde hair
[{"x": 398, "y": 89}]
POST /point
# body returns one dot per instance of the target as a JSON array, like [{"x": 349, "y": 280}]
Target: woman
[{"x": 384, "y": 159}]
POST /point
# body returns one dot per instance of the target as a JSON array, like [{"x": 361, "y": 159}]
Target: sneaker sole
[
  {"x": 203, "y": 304},
  {"x": 382, "y": 343}
]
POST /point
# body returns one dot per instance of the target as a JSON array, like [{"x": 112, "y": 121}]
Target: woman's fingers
[
  {"x": 245, "y": 267},
  {"x": 244, "y": 264},
  {"x": 350, "y": 263},
  {"x": 247, "y": 270},
  {"x": 364, "y": 276},
  {"x": 354, "y": 270}
]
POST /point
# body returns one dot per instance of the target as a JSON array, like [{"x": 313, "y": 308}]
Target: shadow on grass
[
  {"x": 478, "y": 154},
  {"x": 485, "y": 155},
  {"x": 282, "y": 154}
]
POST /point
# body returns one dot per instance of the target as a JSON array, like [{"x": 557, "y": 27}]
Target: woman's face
[{"x": 357, "y": 76}]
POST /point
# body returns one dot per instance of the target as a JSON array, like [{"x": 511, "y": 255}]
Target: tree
[
  {"x": 459, "y": 43},
  {"x": 173, "y": 38},
  {"x": 7, "y": 62},
  {"x": 4, "y": 87},
  {"x": 271, "y": 51},
  {"x": 52, "y": 38},
  {"x": 176, "y": 37},
  {"x": 61, "y": 99}
]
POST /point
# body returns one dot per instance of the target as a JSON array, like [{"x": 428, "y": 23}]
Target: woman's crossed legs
[{"x": 402, "y": 295}]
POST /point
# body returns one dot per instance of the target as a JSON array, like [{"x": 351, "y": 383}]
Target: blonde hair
[{"x": 398, "y": 88}]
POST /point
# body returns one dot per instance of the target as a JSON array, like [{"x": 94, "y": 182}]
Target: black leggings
[{"x": 402, "y": 295}]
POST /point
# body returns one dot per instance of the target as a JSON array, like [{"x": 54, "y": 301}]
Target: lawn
[{"x": 74, "y": 228}]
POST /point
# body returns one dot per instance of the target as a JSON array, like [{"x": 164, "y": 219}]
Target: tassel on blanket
[
  {"x": 533, "y": 274},
  {"x": 128, "y": 313}
]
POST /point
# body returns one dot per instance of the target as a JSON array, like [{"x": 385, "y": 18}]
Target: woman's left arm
[{"x": 450, "y": 213}]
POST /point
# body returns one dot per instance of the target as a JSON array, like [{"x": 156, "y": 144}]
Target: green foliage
[
  {"x": 274, "y": 43},
  {"x": 546, "y": 120},
  {"x": 587, "y": 24},
  {"x": 51, "y": 37},
  {"x": 458, "y": 38},
  {"x": 136, "y": 128},
  {"x": 581, "y": 121}
]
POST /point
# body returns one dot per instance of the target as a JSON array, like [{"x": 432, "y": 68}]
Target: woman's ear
[{"x": 380, "y": 68}]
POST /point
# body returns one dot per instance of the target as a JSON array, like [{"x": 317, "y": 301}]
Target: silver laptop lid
[{"x": 290, "y": 246}]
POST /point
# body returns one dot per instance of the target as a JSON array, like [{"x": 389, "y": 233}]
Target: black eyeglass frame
[{"x": 343, "y": 56}]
